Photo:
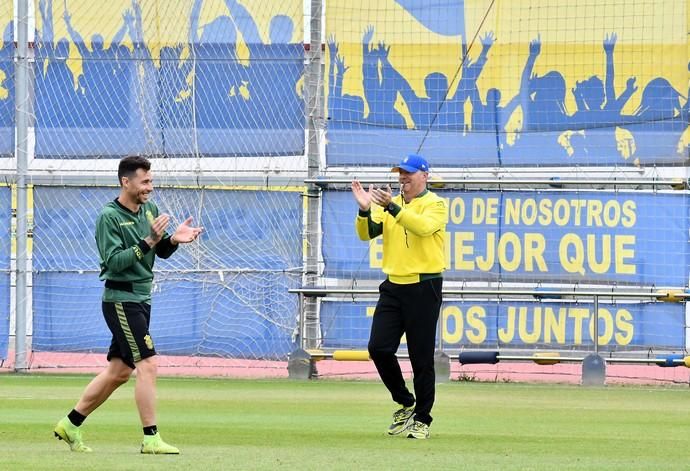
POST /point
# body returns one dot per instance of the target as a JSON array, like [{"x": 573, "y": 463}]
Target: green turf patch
[{"x": 282, "y": 424}]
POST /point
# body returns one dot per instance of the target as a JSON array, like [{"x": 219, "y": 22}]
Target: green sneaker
[
  {"x": 402, "y": 418},
  {"x": 418, "y": 430},
  {"x": 154, "y": 445},
  {"x": 70, "y": 433}
]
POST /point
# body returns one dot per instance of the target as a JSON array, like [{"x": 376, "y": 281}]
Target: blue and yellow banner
[
  {"x": 228, "y": 295},
  {"x": 550, "y": 236},
  {"x": 464, "y": 82},
  {"x": 490, "y": 83},
  {"x": 216, "y": 78},
  {"x": 521, "y": 324}
]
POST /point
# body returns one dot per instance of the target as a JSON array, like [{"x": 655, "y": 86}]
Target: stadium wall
[{"x": 214, "y": 95}]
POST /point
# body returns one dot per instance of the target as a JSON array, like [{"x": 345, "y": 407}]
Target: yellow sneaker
[
  {"x": 418, "y": 430},
  {"x": 402, "y": 418},
  {"x": 71, "y": 434},
  {"x": 154, "y": 445}
]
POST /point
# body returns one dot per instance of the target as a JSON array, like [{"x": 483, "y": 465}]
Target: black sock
[
  {"x": 150, "y": 430},
  {"x": 76, "y": 418}
]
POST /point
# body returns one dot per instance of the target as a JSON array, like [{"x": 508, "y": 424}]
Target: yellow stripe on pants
[{"x": 128, "y": 332}]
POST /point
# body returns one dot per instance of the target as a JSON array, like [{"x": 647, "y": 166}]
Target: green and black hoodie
[{"x": 126, "y": 259}]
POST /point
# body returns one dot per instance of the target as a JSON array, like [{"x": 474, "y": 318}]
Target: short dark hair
[{"x": 129, "y": 166}]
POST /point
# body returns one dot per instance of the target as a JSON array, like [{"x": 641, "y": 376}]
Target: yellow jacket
[{"x": 413, "y": 236}]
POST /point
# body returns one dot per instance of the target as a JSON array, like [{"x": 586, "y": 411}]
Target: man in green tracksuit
[
  {"x": 129, "y": 234},
  {"x": 413, "y": 226}
]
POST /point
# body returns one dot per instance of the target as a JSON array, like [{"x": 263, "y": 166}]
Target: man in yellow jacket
[{"x": 413, "y": 226}]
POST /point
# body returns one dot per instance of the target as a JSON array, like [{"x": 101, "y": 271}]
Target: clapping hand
[{"x": 185, "y": 233}]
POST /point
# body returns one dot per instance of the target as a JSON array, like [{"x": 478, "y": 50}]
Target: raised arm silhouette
[
  {"x": 280, "y": 30},
  {"x": 542, "y": 97},
  {"x": 439, "y": 110},
  {"x": 57, "y": 102},
  {"x": 380, "y": 93},
  {"x": 175, "y": 80},
  {"x": 275, "y": 67},
  {"x": 344, "y": 111},
  {"x": 106, "y": 84},
  {"x": 597, "y": 104}
]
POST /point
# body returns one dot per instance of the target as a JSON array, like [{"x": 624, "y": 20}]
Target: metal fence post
[{"x": 22, "y": 152}]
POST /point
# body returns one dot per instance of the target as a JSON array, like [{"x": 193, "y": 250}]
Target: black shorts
[{"x": 129, "y": 324}]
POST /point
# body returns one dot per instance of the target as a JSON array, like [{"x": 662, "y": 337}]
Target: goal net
[
  {"x": 486, "y": 83},
  {"x": 556, "y": 132},
  {"x": 210, "y": 92},
  {"x": 535, "y": 93}
]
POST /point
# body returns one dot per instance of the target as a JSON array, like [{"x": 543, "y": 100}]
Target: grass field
[{"x": 282, "y": 424}]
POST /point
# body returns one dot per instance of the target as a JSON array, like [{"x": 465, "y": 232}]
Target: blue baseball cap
[{"x": 412, "y": 163}]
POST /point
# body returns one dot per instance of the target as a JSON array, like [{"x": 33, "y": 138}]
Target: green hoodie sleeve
[
  {"x": 367, "y": 228},
  {"x": 114, "y": 255},
  {"x": 165, "y": 248}
]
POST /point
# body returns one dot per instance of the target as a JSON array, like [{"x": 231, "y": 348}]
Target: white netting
[
  {"x": 531, "y": 239},
  {"x": 521, "y": 90},
  {"x": 231, "y": 284},
  {"x": 509, "y": 83},
  {"x": 211, "y": 93},
  {"x": 179, "y": 79}
]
